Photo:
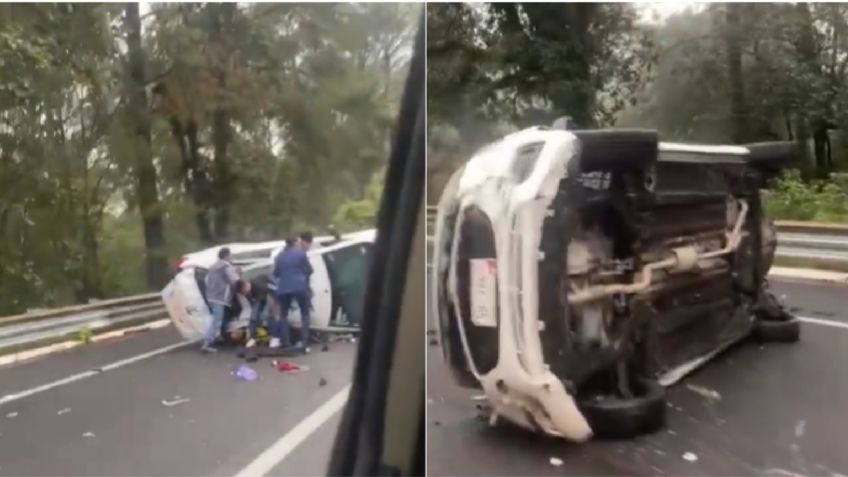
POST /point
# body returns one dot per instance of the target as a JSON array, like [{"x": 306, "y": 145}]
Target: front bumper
[{"x": 519, "y": 385}]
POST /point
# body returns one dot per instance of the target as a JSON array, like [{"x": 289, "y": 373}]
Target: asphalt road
[
  {"x": 114, "y": 423},
  {"x": 781, "y": 412}
]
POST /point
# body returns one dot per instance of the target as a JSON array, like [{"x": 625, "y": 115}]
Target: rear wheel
[
  {"x": 774, "y": 323},
  {"x": 616, "y": 417},
  {"x": 786, "y": 331}
]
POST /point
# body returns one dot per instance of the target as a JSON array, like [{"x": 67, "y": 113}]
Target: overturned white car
[
  {"x": 340, "y": 269},
  {"x": 578, "y": 272}
]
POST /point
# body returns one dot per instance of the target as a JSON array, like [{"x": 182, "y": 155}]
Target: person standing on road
[
  {"x": 219, "y": 293},
  {"x": 306, "y": 243},
  {"x": 292, "y": 270}
]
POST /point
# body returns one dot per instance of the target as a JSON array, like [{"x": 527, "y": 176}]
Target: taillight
[{"x": 179, "y": 263}]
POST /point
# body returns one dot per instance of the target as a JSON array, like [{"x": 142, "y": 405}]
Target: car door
[{"x": 347, "y": 268}]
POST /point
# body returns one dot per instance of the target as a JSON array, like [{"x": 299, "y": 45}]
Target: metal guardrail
[
  {"x": 819, "y": 244},
  {"x": 46, "y": 327},
  {"x": 824, "y": 244}
]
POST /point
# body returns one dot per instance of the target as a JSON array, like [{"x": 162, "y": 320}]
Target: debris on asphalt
[
  {"x": 12, "y": 414},
  {"x": 690, "y": 457},
  {"x": 326, "y": 347},
  {"x": 63, "y": 411},
  {"x": 346, "y": 338},
  {"x": 250, "y": 355},
  {"x": 245, "y": 373},
  {"x": 176, "y": 401},
  {"x": 707, "y": 393},
  {"x": 88, "y": 434},
  {"x": 322, "y": 382},
  {"x": 287, "y": 367},
  {"x": 556, "y": 461}
]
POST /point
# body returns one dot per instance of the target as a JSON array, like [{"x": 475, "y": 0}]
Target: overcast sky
[{"x": 654, "y": 12}]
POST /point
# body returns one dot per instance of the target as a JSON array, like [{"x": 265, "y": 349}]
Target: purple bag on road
[{"x": 245, "y": 373}]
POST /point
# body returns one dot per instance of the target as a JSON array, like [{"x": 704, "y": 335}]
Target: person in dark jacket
[
  {"x": 292, "y": 271},
  {"x": 263, "y": 299}
]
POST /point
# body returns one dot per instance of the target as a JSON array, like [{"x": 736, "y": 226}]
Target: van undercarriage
[{"x": 651, "y": 260}]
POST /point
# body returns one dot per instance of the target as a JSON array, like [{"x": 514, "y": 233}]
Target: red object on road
[{"x": 288, "y": 367}]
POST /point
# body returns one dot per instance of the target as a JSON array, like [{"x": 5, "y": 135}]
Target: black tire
[
  {"x": 617, "y": 149},
  {"x": 772, "y": 156},
  {"x": 617, "y": 418},
  {"x": 778, "y": 331}
]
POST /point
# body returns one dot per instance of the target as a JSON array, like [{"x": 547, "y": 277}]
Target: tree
[
  {"x": 495, "y": 67},
  {"x": 138, "y": 123},
  {"x": 195, "y": 123},
  {"x": 584, "y": 60},
  {"x": 762, "y": 72}
]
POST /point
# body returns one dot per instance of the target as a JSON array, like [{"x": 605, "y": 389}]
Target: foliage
[
  {"x": 791, "y": 198},
  {"x": 83, "y": 335},
  {"x": 357, "y": 214},
  {"x": 263, "y": 118},
  {"x": 791, "y": 83},
  {"x": 496, "y": 67}
]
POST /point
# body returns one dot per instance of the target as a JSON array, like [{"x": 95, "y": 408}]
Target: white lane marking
[
  {"x": 821, "y": 321},
  {"x": 92, "y": 372},
  {"x": 289, "y": 442}
]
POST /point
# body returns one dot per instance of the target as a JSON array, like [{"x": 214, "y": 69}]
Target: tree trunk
[
  {"x": 223, "y": 175},
  {"x": 805, "y": 45},
  {"x": 90, "y": 286},
  {"x": 821, "y": 149},
  {"x": 193, "y": 176},
  {"x": 733, "y": 48},
  {"x": 138, "y": 117},
  {"x": 90, "y": 280},
  {"x": 788, "y": 122},
  {"x": 221, "y": 134}
]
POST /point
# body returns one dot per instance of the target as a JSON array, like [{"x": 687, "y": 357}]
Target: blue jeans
[
  {"x": 218, "y": 312},
  {"x": 256, "y": 314},
  {"x": 305, "y": 306}
]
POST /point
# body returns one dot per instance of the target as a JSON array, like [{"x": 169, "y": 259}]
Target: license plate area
[{"x": 484, "y": 292}]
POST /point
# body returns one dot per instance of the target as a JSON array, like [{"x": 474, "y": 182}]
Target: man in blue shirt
[{"x": 292, "y": 270}]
